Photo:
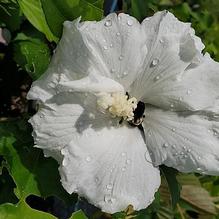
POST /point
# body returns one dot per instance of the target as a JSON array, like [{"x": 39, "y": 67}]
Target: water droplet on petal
[
  {"x": 154, "y": 62},
  {"x": 173, "y": 129},
  {"x": 96, "y": 179},
  {"x": 173, "y": 146},
  {"x": 147, "y": 18},
  {"x": 124, "y": 169},
  {"x": 113, "y": 70},
  {"x": 128, "y": 161},
  {"x": 42, "y": 116},
  {"x": 182, "y": 153},
  {"x": 165, "y": 145},
  {"x": 125, "y": 73},
  {"x": 123, "y": 154},
  {"x": 171, "y": 105},
  {"x": 157, "y": 78},
  {"x": 105, "y": 47},
  {"x": 117, "y": 34},
  {"x": 109, "y": 199},
  {"x": 108, "y": 23},
  {"x": 64, "y": 162},
  {"x": 161, "y": 41},
  {"x": 120, "y": 57},
  {"x": 109, "y": 186},
  {"x": 199, "y": 169},
  {"x": 130, "y": 22},
  {"x": 189, "y": 92},
  {"x": 111, "y": 45},
  {"x": 189, "y": 150},
  {"x": 88, "y": 158}
]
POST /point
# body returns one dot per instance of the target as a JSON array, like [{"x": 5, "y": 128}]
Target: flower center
[{"x": 122, "y": 106}]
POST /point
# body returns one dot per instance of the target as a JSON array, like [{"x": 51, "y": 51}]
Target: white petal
[
  {"x": 94, "y": 48},
  {"x": 71, "y": 60},
  {"x": 92, "y": 145},
  {"x": 118, "y": 43},
  {"x": 108, "y": 168},
  {"x": 61, "y": 117},
  {"x": 172, "y": 48},
  {"x": 188, "y": 143},
  {"x": 92, "y": 83}
]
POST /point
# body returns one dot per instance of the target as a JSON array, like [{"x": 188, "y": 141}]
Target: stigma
[{"x": 122, "y": 106}]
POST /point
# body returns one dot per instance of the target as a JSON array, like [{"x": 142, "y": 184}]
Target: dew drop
[
  {"x": 88, "y": 158},
  {"x": 108, "y": 23},
  {"x": 171, "y": 105},
  {"x": 128, "y": 161},
  {"x": 199, "y": 169},
  {"x": 173, "y": 146},
  {"x": 173, "y": 129},
  {"x": 161, "y": 41},
  {"x": 64, "y": 162},
  {"x": 113, "y": 70},
  {"x": 123, "y": 154},
  {"x": 154, "y": 62},
  {"x": 189, "y": 92},
  {"x": 165, "y": 145},
  {"x": 189, "y": 150},
  {"x": 182, "y": 153},
  {"x": 109, "y": 199},
  {"x": 199, "y": 158},
  {"x": 147, "y": 18},
  {"x": 130, "y": 22},
  {"x": 105, "y": 47},
  {"x": 157, "y": 78},
  {"x": 109, "y": 186},
  {"x": 117, "y": 34},
  {"x": 176, "y": 154},
  {"x": 42, "y": 116},
  {"x": 111, "y": 45},
  {"x": 120, "y": 57},
  {"x": 184, "y": 147},
  {"x": 124, "y": 169},
  {"x": 125, "y": 73},
  {"x": 96, "y": 179}
]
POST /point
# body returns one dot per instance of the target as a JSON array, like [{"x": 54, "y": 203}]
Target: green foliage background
[{"x": 36, "y": 27}]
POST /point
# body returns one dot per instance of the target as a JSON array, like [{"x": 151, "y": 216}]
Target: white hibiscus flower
[{"x": 120, "y": 98}]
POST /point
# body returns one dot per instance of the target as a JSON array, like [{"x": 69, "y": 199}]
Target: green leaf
[
  {"x": 7, "y": 186},
  {"x": 30, "y": 170},
  {"x": 173, "y": 185},
  {"x": 188, "y": 179},
  {"x": 78, "y": 215},
  {"x": 10, "y": 14},
  {"x": 32, "y": 54},
  {"x": 23, "y": 211},
  {"x": 32, "y": 9},
  {"x": 56, "y": 12},
  {"x": 141, "y": 8}
]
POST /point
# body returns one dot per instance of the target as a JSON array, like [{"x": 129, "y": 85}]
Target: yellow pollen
[{"x": 117, "y": 104}]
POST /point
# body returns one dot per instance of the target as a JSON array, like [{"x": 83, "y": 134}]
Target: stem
[{"x": 180, "y": 211}]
